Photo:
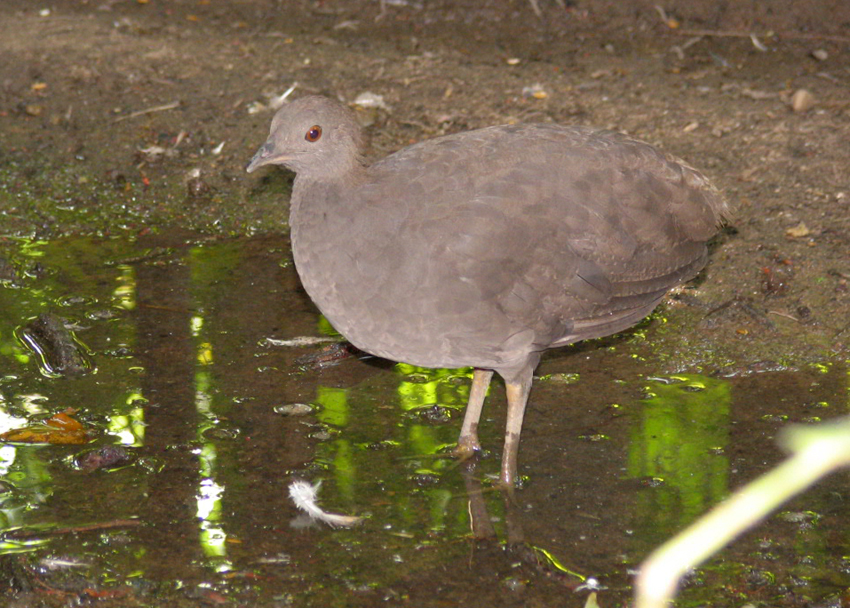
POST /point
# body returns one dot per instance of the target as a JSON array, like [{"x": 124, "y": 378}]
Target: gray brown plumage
[{"x": 485, "y": 248}]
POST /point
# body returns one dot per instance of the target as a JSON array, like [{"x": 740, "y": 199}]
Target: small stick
[
  {"x": 783, "y": 314},
  {"x": 732, "y": 34},
  {"x": 163, "y": 108},
  {"x": 116, "y": 523}
]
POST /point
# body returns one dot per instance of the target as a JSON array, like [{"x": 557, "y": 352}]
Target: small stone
[
  {"x": 294, "y": 409},
  {"x": 820, "y": 54},
  {"x": 802, "y": 100},
  {"x": 107, "y": 457},
  {"x": 196, "y": 187}
]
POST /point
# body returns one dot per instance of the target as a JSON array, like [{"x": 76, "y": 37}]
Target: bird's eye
[{"x": 313, "y": 133}]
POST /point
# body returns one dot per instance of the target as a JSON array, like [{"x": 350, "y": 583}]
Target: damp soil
[{"x": 126, "y": 215}]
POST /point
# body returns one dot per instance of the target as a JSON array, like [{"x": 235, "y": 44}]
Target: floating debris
[
  {"x": 59, "y": 429},
  {"x": 299, "y": 341},
  {"x": 279, "y": 558},
  {"x": 294, "y": 409},
  {"x": 591, "y": 584},
  {"x": 54, "y": 563},
  {"x": 304, "y": 494}
]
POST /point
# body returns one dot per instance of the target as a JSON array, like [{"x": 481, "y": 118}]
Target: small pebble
[
  {"x": 107, "y": 457},
  {"x": 802, "y": 100},
  {"x": 820, "y": 54},
  {"x": 196, "y": 187},
  {"x": 322, "y": 435},
  {"x": 294, "y": 409}
]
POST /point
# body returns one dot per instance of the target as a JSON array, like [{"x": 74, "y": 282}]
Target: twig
[
  {"x": 300, "y": 341},
  {"x": 733, "y": 34},
  {"x": 783, "y": 314},
  {"x": 163, "y": 108},
  {"x": 116, "y": 523}
]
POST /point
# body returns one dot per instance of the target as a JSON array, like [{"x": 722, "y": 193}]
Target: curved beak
[{"x": 266, "y": 155}]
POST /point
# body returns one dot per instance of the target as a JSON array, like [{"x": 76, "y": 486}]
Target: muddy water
[{"x": 617, "y": 454}]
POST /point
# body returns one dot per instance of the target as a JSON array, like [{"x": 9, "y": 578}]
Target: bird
[{"x": 488, "y": 247}]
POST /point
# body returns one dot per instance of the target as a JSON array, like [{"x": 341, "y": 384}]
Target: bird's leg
[
  {"x": 467, "y": 443},
  {"x": 517, "y": 389}
]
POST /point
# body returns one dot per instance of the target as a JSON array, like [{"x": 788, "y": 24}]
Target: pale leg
[
  {"x": 517, "y": 390},
  {"x": 467, "y": 443}
]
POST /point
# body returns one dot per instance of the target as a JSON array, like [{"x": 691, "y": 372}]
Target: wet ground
[
  {"x": 193, "y": 388},
  {"x": 124, "y": 215}
]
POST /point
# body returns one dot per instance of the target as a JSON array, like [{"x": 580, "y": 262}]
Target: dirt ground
[{"x": 121, "y": 116}]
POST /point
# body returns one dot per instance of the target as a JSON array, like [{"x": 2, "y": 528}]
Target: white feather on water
[{"x": 305, "y": 496}]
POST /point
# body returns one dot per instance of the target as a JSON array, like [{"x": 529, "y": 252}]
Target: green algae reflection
[{"x": 679, "y": 443}]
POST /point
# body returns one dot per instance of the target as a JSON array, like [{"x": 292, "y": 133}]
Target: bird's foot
[{"x": 467, "y": 447}]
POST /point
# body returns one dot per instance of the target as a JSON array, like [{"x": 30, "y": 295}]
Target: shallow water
[{"x": 617, "y": 455}]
